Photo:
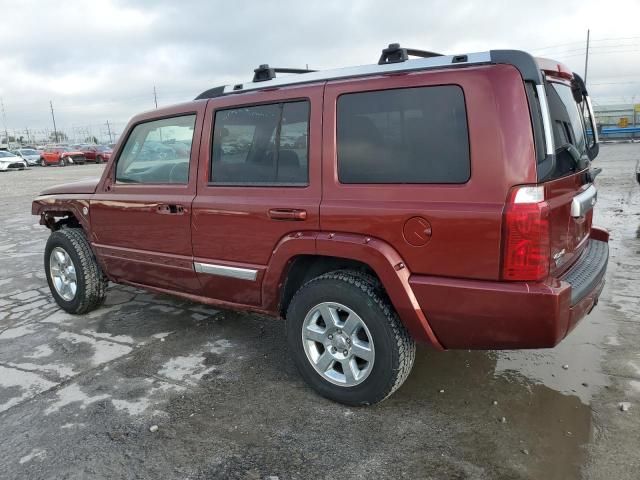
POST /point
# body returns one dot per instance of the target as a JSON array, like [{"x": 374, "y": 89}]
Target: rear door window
[
  {"x": 409, "y": 135},
  {"x": 262, "y": 145}
]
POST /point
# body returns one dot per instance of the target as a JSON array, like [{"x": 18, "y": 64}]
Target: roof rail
[
  {"x": 265, "y": 76},
  {"x": 396, "y": 54},
  {"x": 264, "y": 72}
]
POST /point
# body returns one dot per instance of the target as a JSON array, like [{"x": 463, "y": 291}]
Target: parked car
[
  {"x": 30, "y": 155},
  {"x": 96, "y": 153},
  {"x": 62, "y": 156},
  {"x": 450, "y": 204},
  {"x": 10, "y": 161}
]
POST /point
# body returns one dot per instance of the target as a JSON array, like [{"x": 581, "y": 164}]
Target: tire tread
[
  {"x": 95, "y": 281},
  {"x": 374, "y": 290}
]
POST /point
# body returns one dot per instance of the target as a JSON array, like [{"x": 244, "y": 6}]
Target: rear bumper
[{"x": 508, "y": 315}]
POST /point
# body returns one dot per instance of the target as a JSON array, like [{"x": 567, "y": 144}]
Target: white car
[
  {"x": 30, "y": 155},
  {"x": 10, "y": 161}
]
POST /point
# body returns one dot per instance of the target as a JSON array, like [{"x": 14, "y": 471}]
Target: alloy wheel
[
  {"x": 338, "y": 344},
  {"x": 63, "y": 274}
]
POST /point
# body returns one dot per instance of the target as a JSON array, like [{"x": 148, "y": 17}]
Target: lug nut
[
  {"x": 330, "y": 337},
  {"x": 348, "y": 340},
  {"x": 346, "y": 352},
  {"x": 339, "y": 331}
]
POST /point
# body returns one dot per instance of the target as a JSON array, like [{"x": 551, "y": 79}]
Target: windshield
[{"x": 4, "y": 154}]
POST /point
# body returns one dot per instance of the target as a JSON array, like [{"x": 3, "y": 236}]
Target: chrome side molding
[
  {"x": 226, "y": 271},
  {"x": 583, "y": 202},
  {"x": 550, "y": 148}
]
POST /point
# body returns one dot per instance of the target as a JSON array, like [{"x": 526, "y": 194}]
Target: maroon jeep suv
[{"x": 445, "y": 199}]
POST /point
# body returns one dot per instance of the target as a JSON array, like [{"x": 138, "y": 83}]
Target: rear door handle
[
  {"x": 291, "y": 214},
  {"x": 170, "y": 209}
]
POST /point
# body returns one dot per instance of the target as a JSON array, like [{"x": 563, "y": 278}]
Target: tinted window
[
  {"x": 411, "y": 135},
  {"x": 568, "y": 130},
  {"x": 261, "y": 145},
  {"x": 157, "y": 152}
]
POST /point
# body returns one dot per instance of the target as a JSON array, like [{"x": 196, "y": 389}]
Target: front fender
[{"x": 49, "y": 207}]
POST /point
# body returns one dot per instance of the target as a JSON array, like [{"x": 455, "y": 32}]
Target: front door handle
[
  {"x": 170, "y": 209},
  {"x": 292, "y": 214}
]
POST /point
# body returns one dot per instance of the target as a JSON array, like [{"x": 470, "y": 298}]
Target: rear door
[
  {"x": 258, "y": 183},
  {"x": 568, "y": 188}
]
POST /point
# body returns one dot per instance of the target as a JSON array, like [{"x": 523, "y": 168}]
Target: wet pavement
[{"x": 78, "y": 394}]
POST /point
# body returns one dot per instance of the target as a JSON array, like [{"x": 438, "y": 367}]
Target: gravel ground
[{"x": 153, "y": 387}]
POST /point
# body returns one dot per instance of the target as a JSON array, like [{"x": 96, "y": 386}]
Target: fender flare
[{"x": 383, "y": 259}]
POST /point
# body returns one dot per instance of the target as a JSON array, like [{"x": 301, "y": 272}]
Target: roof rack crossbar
[
  {"x": 396, "y": 54},
  {"x": 265, "y": 72}
]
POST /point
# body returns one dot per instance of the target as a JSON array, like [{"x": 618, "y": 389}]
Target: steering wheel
[{"x": 184, "y": 178}]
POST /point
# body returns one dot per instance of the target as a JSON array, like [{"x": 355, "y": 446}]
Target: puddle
[{"x": 549, "y": 424}]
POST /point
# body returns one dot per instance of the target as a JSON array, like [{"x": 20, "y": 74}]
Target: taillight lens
[{"x": 526, "y": 235}]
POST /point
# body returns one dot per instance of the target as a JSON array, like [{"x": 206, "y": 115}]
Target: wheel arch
[
  {"x": 323, "y": 251},
  {"x": 57, "y": 213}
]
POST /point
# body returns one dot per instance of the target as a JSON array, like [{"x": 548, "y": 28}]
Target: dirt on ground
[{"x": 149, "y": 386}]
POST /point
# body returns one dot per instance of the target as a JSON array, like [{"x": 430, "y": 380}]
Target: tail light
[{"x": 525, "y": 254}]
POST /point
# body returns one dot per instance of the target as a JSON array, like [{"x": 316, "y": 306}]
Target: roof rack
[
  {"x": 394, "y": 53},
  {"x": 264, "y": 72},
  {"x": 391, "y": 61}
]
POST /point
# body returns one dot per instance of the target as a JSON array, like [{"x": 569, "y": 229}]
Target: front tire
[
  {"x": 62, "y": 162},
  {"x": 75, "y": 279},
  {"x": 347, "y": 340}
]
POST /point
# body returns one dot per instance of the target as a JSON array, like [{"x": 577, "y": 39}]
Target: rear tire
[
  {"x": 98, "y": 159},
  {"x": 355, "y": 367},
  {"x": 62, "y": 162},
  {"x": 68, "y": 259}
]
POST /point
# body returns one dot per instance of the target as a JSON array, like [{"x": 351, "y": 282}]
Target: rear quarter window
[{"x": 408, "y": 135}]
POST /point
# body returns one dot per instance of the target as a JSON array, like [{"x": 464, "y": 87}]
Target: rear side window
[
  {"x": 261, "y": 145},
  {"x": 409, "y": 135}
]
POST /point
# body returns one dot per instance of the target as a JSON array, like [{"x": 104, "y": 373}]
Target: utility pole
[
  {"x": 4, "y": 120},
  {"x": 55, "y": 129},
  {"x": 155, "y": 97},
  {"x": 109, "y": 130},
  {"x": 586, "y": 60}
]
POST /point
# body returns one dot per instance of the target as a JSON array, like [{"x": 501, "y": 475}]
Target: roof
[{"x": 524, "y": 62}]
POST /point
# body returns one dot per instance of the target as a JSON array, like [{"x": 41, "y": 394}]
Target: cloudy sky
[{"x": 99, "y": 60}]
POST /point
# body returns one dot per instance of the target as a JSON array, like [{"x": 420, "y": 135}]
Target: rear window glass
[
  {"x": 569, "y": 133},
  {"x": 409, "y": 135}
]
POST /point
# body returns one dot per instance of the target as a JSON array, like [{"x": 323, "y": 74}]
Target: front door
[
  {"x": 141, "y": 214},
  {"x": 261, "y": 183}
]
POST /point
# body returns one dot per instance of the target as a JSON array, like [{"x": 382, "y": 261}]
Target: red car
[
  {"x": 445, "y": 199},
  {"x": 97, "y": 153},
  {"x": 62, "y": 156}
]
